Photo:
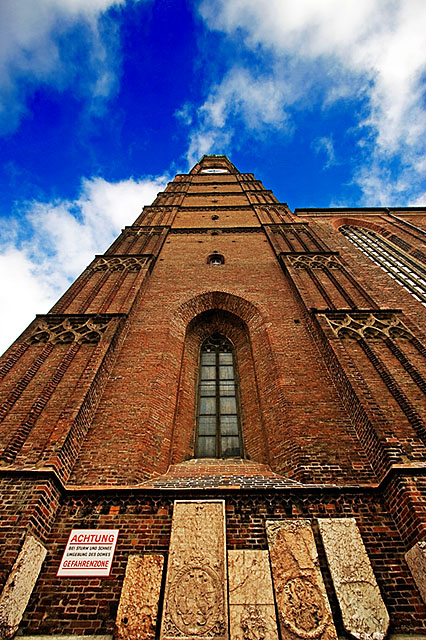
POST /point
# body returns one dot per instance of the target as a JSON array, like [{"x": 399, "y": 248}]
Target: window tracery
[
  {"x": 392, "y": 259},
  {"x": 218, "y": 423}
]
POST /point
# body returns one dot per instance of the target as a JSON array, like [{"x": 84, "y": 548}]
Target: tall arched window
[
  {"x": 399, "y": 265},
  {"x": 218, "y": 422}
]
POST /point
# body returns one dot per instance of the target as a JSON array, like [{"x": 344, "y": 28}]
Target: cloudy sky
[{"x": 103, "y": 101}]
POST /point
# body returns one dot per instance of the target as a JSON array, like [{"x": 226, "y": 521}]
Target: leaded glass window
[
  {"x": 218, "y": 425},
  {"x": 399, "y": 265}
]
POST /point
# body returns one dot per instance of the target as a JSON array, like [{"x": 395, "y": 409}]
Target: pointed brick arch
[
  {"x": 359, "y": 222},
  {"x": 261, "y": 403},
  {"x": 219, "y": 300}
]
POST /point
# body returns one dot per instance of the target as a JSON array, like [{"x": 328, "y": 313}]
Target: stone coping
[
  {"x": 67, "y": 637},
  {"x": 392, "y": 636},
  {"x": 48, "y": 474}
]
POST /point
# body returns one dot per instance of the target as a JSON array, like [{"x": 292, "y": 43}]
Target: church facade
[{"x": 219, "y": 431}]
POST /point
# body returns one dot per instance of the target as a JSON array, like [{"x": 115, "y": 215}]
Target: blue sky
[{"x": 103, "y": 101}]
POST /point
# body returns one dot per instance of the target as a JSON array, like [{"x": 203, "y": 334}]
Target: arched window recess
[
  {"x": 399, "y": 265},
  {"x": 218, "y": 416}
]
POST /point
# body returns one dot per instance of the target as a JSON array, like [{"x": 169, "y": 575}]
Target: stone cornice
[{"x": 43, "y": 475}]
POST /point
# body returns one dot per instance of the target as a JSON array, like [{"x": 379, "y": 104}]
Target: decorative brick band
[
  {"x": 142, "y": 230},
  {"x": 20, "y": 387},
  {"x": 360, "y": 325},
  {"x": 63, "y": 329},
  {"x": 314, "y": 261},
  {"x": 379, "y": 442},
  {"x": 288, "y": 227},
  {"x": 195, "y": 194},
  {"x": 298, "y": 233},
  {"x": 395, "y": 390},
  {"x": 323, "y": 291},
  {"x": 275, "y": 213},
  {"x": 12, "y": 360},
  {"x": 277, "y": 206},
  {"x": 120, "y": 263},
  {"x": 17, "y": 441},
  {"x": 408, "y": 366},
  {"x": 217, "y": 230},
  {"x": 220, "y": 208}
]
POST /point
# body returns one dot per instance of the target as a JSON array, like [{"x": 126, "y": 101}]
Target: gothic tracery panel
[
  {"x": 81, "y": 328},
  {"x": 367, "y": 324},
  {"x": 120, "y": 263}
]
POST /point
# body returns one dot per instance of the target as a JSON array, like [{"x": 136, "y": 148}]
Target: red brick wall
[{"x": 27, "y": 505}]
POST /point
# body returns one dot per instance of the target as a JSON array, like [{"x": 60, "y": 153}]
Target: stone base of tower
[{"x": 89, "y": 606}]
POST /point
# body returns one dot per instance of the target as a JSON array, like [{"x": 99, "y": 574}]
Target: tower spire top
[{"x": 214, "y": 164}]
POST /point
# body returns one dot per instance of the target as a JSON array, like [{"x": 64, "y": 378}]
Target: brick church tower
[{"x": 238, "y": 391}]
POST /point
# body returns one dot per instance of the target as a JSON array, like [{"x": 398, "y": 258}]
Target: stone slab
[
  {"x": 140, "y": 595},
  {"x": 363, "y": 611},
  {"x": 19, "y": 585},
  {"x": 251, "y": 598},
  {"x": 55, "y": 636},
  {"x": 302, "y": 604},
  {"x": 195, "y": 598},
  {"x": 416, "y": 560}
]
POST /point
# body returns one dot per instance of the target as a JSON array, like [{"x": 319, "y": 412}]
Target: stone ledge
[
  {"x": 70, "y": 637},
  {"x": 392, "y": 636},
  {"x": 215, "y": 473}
]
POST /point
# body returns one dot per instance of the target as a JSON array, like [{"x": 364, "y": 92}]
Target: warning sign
[{"x": 88, "y": 553}]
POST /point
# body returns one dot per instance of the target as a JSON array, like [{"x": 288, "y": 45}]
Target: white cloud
[
  {"x": 256, "y": 100},
  {"x": 384, "y": 40},
  {"x": 34, "y": 50},
  {"x": 185, "y": 113},
  {"x": 317, "y": 52},
  {"x": 53, "y": 242},
  {"x": 203, "y": 141},
  {"x": 383, "y": 185},
  {"x": 324, "y": 145}
]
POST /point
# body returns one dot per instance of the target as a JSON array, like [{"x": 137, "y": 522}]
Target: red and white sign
[{"x": 89, "y": 552}]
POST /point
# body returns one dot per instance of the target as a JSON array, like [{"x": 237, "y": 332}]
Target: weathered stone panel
[
  {"x": 416, "y": 560},
  {"x": 251, "y": 599},
  {"x": 138, "y": 608},
  {"x": 364, "y": 613},
  {"x": 195, "y": 599},
  {"x": 19, "y": 585},
  {"x": 302, "y": 604}
]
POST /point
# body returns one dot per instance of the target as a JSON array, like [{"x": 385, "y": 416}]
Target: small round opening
[
  {"x": 214, "y": 170},
  {"x": 215, "y": 259}
]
